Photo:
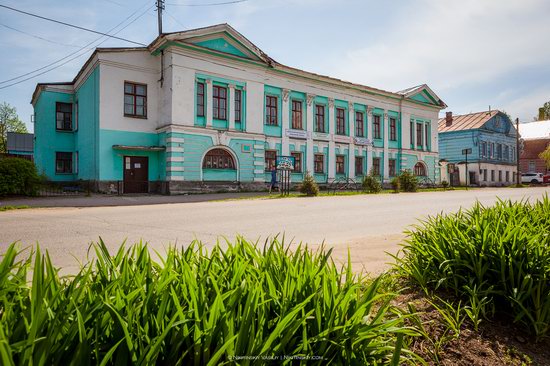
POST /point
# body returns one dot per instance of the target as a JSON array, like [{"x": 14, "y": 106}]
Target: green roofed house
[{"x": 205, "y": 109}]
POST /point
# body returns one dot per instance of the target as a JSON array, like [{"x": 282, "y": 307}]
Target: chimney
[{"x": 448, "y": 119}]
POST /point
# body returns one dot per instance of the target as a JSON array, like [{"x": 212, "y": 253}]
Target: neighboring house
[
  {"x": 536, "y": 138},
  {"x": 218, "y": 113},
  {"x": 20, "y": 145},
  {"x": 491, "y": 136}
]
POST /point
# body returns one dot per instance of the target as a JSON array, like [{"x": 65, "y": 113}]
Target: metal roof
[{"x": 466, "y": 121}]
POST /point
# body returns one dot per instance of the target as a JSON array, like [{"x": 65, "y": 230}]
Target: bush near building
[
  {"x": 18, "y": 177},
  {"x": 371, "y": 183},
  {"x": 408, "y": 181},
  {"x": 309, "y": 186}
]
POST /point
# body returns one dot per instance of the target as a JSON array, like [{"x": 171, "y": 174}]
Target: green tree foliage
[
  {"x": 309, "y": 187},
  {"x": 395, "y": 184},
  {"x": 9, "y": 122},
  {"x": 18, "y": 176},
  {"x": 371, "y": 183},
  {"x": 544, "y": 112},
  {"x": 409, "y": 181},
  {"x": 545, "y": 155}
]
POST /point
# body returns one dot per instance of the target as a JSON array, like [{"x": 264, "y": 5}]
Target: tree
[
  {"x": 545, "y": 155},
  {"x": 9, "y": 122},
  {"x": 544, "y": 112}
]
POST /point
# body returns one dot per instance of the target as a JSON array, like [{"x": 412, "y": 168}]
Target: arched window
[
  {"x": 419, "y": 170},
  {"x": 218, "y": 159}
]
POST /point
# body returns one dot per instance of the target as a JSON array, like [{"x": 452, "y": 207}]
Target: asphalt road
[{"x": 369, "y": 225}]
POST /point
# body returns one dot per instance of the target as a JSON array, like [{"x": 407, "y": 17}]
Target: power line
[
  {"x": 209, "y": 4},
  {"x": 38, "y": 37},
  {"x": 71, "y": 25},
  {"x": 78, "y": 53}
]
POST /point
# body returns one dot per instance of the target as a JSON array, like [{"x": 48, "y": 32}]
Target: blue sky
[{"x": 472, "y": 53}]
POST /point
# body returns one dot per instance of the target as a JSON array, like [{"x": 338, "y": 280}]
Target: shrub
[
  {"x": 408, "y": 181},
  {"x": 309, "y": 186},
  {"x": 195, "y": 307},
  {"x": 371, "y": 183},
  {"x": 395, "y": 185},
  {"x": 445, "y": 184},
  {"x": 18, "y": 176},
  {"x": 488, "y": 256}
]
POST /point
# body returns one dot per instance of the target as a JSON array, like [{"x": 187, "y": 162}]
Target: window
[
  {"x": 135, "y": 100},
  {"x": 63, "y": 116},
  {"x": 271, "y": 110},
  {"x": 219, "y": 102},
  {"x": 489, "y": 151},
  {"x": 319, "y": 118},
  {"x": 427, "y": 132},
  {"x": 376, "y": 127},
  {"x": 297, "y": 114},
  {"x": 359, "y": 124},
  {"x": 297, "y": 161},
  {"x": 319, "y": 163},
  {"x": 532, "y": 166},
  {"x": 218, "y": 159},
  {"x": 506, "y": 153},
  {"x": 492, "y": 175},
  {"x": 376, "y": 166},
  {"x": 393, "y": 129},
  {"x": 483, "y": 149},
  {"x": 412, "y": 133},
  {"x": 499, "y": 151},
  {"x": 485, "y": 174},
  {"x": 200, "y": 99},
  {"x": 358, "y": 165},
  {"x": 340, "y": 164},
  {"x": 419, "y": 134},
  {"x": 419, "y": 169},
  {"x": 340, "y": 121},
  {"x": 507, "y": 176},
  {"x": 270, "y": 159},
  {"x": 513, "y": 154},
  {"x": 63, "y": 162},
  {"x": 391, "y": 163},
  {"x": 492, "y": 150},
  {"x": 500, "y": 175},
  {"x": 238, "y": 105}
]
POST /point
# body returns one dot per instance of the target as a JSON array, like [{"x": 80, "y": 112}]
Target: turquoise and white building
[{"x": 206, "y": 109}]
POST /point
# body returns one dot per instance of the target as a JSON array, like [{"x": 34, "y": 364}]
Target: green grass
[
  {"x": 497, "y": 259},
  {"x": 9, "y": 208},
  {"x": 196, "y": 307}
]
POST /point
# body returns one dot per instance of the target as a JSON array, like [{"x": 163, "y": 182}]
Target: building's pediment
[
  {"x": 423, "y": 94},
  {"x": 220, "y": 39}
]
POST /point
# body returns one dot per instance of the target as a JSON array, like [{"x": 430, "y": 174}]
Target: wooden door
[{"x": 136, "y": 174}]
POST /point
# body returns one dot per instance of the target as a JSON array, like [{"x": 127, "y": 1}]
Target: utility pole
[
  {"x": 160, "y": 8},
  {"x": 518, "y": 176}
]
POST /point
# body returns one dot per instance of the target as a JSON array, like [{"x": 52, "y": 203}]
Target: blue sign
[{"x": 285, "y": 162}]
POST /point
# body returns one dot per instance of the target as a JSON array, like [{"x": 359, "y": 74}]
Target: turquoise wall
[{"x": 111, "y": 160}]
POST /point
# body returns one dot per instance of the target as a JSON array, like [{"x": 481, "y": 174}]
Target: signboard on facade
[
  {"x": 362, "y": 141},
  {"x": 343, "y": 139},
  {"x": 466, "y": 151},
  {"x": 296, "y": 134},
  {"x": 285, "y": 162}
]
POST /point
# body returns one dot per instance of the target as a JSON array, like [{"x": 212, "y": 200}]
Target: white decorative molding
[
  {"x": 175, "y": 169},
  {"x": 258, "y": 147},
  {"x": 175, "y": 159},
  {"x": 208, "y": 81},
  {"x": 286, "y": 94},
  {"x": 177, "y": 149},
  {"x": 259, "y": 155},
  {"x": 175, "y": 177},
  {"x": 350, "y": 105},
  {"x": 310, "y": 99},
  {"x": 258, "y": 171},
  {"x": 258, "y": 163},
  {"x": 369, "y": 111},
  {"x": 175, "y": 140},
  {"x": 231, "y": 86},
  {"x": 259, "y": 179},
  {"x": 385, "y": 116},
  {"x": 331, "y": 102}
]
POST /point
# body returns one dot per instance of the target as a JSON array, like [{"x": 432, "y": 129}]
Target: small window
[
  {"x": 320, "y": 118},
  {"x": 63, "y": 162},
  {"x": 271, "y": 110},
  {"x": 238, "y": 105},
  {"x": 297, "y": 115},
  {"x": 135, "y": 100},
  {"x": 419, "y": 170},
  {"x": 483, "y": 149},
  {"x": 376, "y": 127},
  {"x": 200, "y": 99},
  {"x": 219, "y": 102},
  {"x": 500, "y": 175},
  {"x": 358, "y": 165},
  {"x": 492, "y": 175},
  {"x": 426, "y": 130},
  {"x": 319, "y": 163},
  {"x": 297, "y": 161},
  {"x": 359, "y": 124},
  {"x": 340, "y": 164},
  {"x": 218, "y": 159},
  {"x": 376, "y": 166},
  {"x": 507, "y": 176},
  {"x": 270, "y": 160},
  {"x": 393, "y": 129},
  {"x": 64, "y": 116},
  {"x": 391, "y": 167},
  {"x": 340, "y": 121},
  {"x": 419, "y": 134}
]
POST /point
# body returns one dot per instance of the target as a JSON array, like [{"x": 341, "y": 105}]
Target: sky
[{"x": 474, "y": 54}]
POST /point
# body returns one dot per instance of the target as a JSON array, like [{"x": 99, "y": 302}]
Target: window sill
[
  {"x": 64, "y": 131},
  {"x": 58, "y": 173},
  {"x": 135, "y": 116}
]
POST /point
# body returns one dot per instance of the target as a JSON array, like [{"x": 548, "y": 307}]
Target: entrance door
[{"x": 136, "y": 174}]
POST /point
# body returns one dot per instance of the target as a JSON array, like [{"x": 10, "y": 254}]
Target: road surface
[{"x": 369, "y": 225}]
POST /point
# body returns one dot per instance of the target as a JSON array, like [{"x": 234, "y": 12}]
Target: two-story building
[
  {"x": 205, "y": 108},
  {"x": 490, "y": 140}
]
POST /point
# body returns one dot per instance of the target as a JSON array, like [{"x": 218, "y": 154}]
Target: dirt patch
[{"x": 497, "y": 342}]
